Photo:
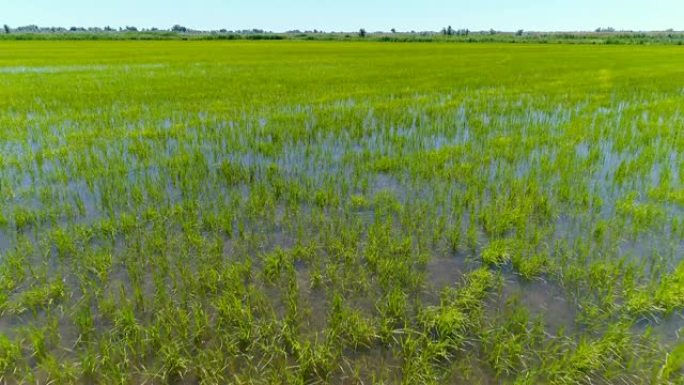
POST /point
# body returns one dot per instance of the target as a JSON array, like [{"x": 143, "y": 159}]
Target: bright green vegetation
[{"x": 331, "y": 212}]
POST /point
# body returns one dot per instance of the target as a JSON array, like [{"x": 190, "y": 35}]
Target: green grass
[{"x": 340, "y": 212}]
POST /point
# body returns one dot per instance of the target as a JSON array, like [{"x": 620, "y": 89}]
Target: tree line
[
  {"x": 446, "y": 31},
  {"x": 602, "y": 35}
]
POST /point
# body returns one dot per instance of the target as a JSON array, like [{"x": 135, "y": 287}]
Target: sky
[{"x": 350, "y": 15}]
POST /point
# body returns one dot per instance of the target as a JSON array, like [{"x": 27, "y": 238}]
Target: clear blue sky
[{"x": 350, "y": 15}]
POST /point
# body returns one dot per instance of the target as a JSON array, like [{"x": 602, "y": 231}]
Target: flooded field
[{"x": 344, "y": 213}]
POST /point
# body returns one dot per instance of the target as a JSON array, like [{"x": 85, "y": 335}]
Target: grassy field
[{"x": 340, "y": 212}]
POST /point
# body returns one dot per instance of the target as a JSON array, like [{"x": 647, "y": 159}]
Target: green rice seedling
[
  {"x": 460, "y": 310},
  {"x": 84, "y": 321},
  {"x": 175, "y": 364},
  {"x": 418, "y": 362},
  {"x": 508, "y": 347},
  {"x": 275, "y": 263},
  {"x": 359, "y": 202},
  {"x": 349, "y": 327},
  {"x": 500, "y": 251},
  {"x": 393, "y": 309},
  {"x": 315, "y": 361},
  {"x": 40, "y": 297},
  {"x": 59, "y": 372},
  {"x": 673, "y": 363},
  {"x": 532, "y": 266},
  {"x": 11, "y": 358}
]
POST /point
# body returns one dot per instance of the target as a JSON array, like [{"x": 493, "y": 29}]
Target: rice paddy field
[{"x": 291, "y": 212}]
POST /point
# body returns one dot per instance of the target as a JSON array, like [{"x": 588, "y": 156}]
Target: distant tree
[
  {"x": 393, "y": 30},
  {"x": 492, "y": 31},
  {"x": 108, "y": 29},
  {"x": 131, "y": 28},
  {"x": 519, "y": 32},
  {"x": 7, "y": 28},
  {"x": 362, "y": 32},
  {"x": 448, "y": 31},
  {"x": 179, "y": 28},
  {"x": 28, "y": 28}
]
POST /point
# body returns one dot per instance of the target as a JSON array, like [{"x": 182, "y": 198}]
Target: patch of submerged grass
[{"x": 451, "y": 322}]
